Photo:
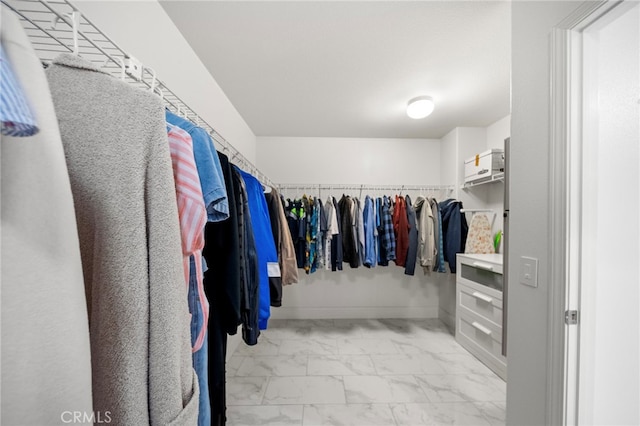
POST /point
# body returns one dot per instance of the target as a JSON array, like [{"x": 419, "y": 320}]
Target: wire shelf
[{"x": 49, "y": 26}]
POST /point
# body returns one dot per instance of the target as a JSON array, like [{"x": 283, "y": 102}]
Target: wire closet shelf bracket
[{"x": 57, "y": 26}]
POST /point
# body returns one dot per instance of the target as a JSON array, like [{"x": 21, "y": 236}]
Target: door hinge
[{"x": 571, "y": 317}]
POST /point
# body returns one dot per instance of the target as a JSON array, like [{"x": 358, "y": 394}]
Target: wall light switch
[{"x": 529, "y": 271}]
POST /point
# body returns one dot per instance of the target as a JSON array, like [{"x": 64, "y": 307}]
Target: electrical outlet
[{"x": 133, "y": 67}]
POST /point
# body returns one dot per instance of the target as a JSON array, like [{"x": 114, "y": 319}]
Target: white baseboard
[{"x": 354, "y": 312}]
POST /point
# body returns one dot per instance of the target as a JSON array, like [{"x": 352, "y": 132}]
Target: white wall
[
  {"x": 528, "y": 307},
  {"x": 457, "y": 146},
  {"x": 360, "y": 293},
  {"x": 498, "y": 132},
  {"x": 350, "y": 160},
  {"x": 449, "y": 160},
  {"x": 449, "y": 175},
  {"x": 613, "y": 367},
  {"x": 144, "y": 30}
]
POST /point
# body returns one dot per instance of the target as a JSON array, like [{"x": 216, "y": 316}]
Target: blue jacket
[
  {"x": 454, "y": 230},
  {"x": 265, "y": 246}
]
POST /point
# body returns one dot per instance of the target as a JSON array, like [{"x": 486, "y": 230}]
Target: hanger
[
  {"x": 153, "y": 79},
  {"x": 160, "y": 92},
  {"x": 74, "y": 17}
]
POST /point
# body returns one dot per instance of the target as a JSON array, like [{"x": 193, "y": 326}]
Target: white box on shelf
[{"x": 484, "y": 166}]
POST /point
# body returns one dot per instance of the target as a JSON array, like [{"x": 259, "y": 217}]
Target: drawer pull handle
[
  {"x": 483, "y": 171},
  {"x": 484, "y": 266},
  {"x": 482, "y": 328},
  {"x": 482, "y": 297}
]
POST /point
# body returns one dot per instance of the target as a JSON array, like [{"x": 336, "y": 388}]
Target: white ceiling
[{"x": 348, "y": 68}]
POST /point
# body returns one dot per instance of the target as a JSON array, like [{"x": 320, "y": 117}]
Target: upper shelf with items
[{"x": 485, "y": 167}]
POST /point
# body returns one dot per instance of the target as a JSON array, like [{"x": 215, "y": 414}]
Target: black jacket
[{"x": 349, "y": 244}]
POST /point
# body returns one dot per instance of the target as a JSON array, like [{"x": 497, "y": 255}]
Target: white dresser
[{"x": 479, "y": 282}]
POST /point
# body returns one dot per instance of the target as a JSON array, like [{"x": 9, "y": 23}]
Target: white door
[{"x": 602, "y": 352}]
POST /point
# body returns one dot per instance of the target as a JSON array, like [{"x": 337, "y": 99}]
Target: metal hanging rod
[
  {"x": 477, "y": 210},
  {"x": 365, "y": 187},
  {"x": 49, "y": 25}
]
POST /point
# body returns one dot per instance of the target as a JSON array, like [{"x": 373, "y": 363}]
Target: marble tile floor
[{"x": 361, "y": 373}]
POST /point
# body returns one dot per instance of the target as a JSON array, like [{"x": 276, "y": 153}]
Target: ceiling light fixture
[{"x": 420, "y": 107}]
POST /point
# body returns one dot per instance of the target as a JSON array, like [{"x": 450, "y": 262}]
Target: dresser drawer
[
  {"x": 487, "y": 334},
  {"x": 483, "y": 303},
  {"x": 483, "y": 339},
  {"x": 480, "y": 272}
]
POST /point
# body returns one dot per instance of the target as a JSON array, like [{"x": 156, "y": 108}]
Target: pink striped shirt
[{"x": 192, "y": 213}]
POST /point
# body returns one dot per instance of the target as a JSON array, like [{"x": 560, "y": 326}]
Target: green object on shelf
[{"x": 496, "y": 241}]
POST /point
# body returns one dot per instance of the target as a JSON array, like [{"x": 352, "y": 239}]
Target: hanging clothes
[
  {"x": 222, "y": 252},
  {"x": 222, "y": 285},
  {"x": 369, "y": 228},
  {"x": 266, "y": 248},
  {"x": 217, "y": 204},
  {"x": 349, "y": 242},
  {"x": 46, "y": 355},
  {"x": 284, "y": 244},
  {"x": 331, "y": 234},
  {"x": 209, "y": 169},
  {"x": 125, "y": 202},
  {"x": 275, "y": 283},
  {"x": 337, "y": 255},
  {"x": 454, "y": 227},
  {"x": 376, "y": 239},
  {"x": 379, "y": 225},
  {"x": 410, "y": 265},
  {"x": 313, "y": 234},
  {"x": 249, "y": 266},
  {"x": 401, "y": 231},
  {"x": 479, "y": 239},
  {"x": 322, "y": 232},
  {"x": 426, "y": 238},
  {"x": 192, "y": 215},
  {"x": 360, "y": 230},
  {"x": 438, "y": 236},
  {"x": 296, "y": 219},
  {"x": 387, "y": 235}
]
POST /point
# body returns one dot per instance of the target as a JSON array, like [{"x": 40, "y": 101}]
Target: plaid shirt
[{"x": 388, "y": 238}]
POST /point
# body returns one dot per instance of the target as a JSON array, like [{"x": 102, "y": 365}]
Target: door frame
[{"x": 565, "y": 222}]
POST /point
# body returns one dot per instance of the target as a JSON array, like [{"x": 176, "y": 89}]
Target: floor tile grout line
[
  {"x": 393, "y": 415},
  {"x": 266, "y": 387}
]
